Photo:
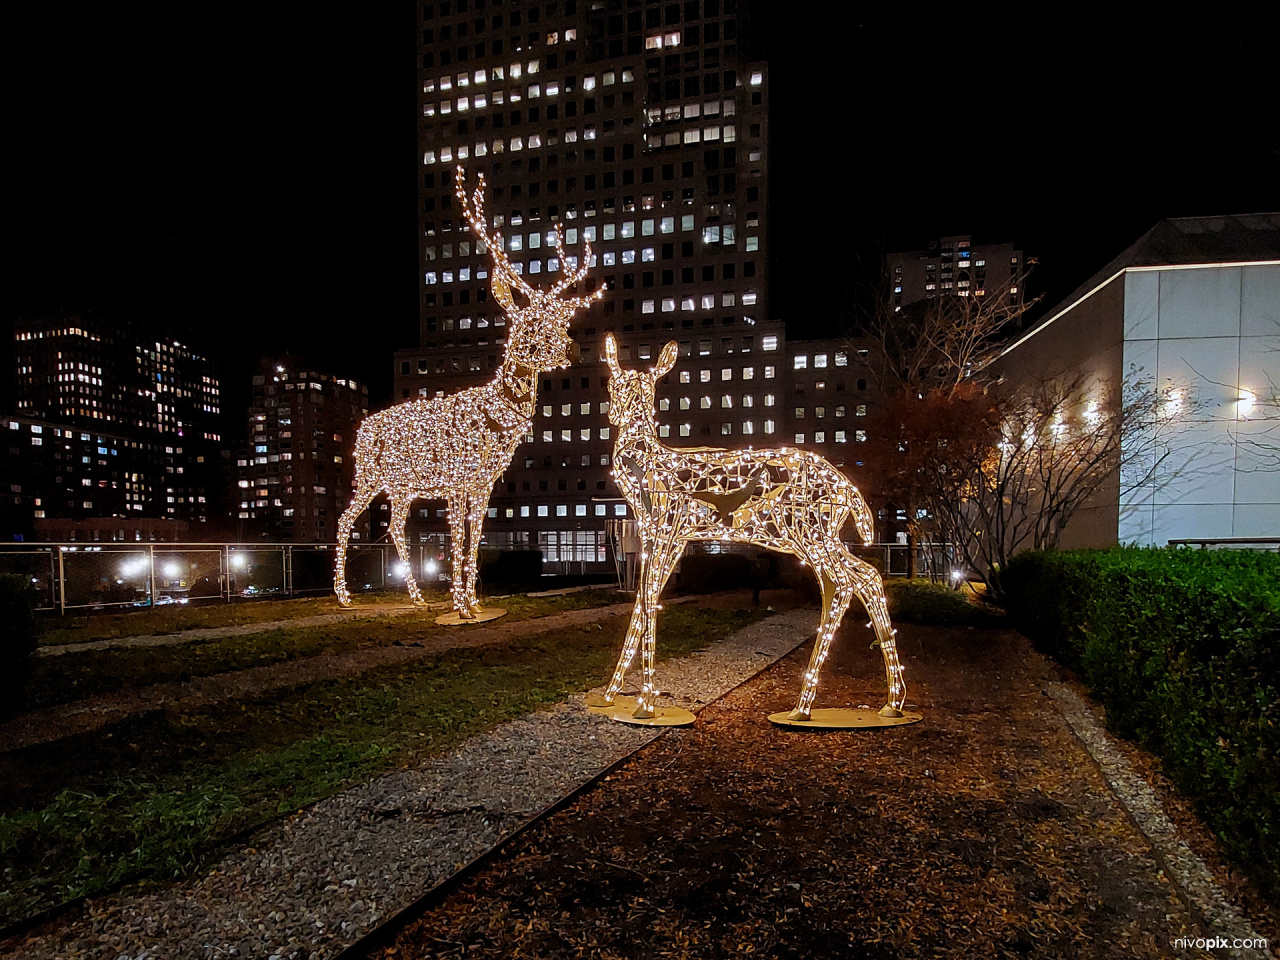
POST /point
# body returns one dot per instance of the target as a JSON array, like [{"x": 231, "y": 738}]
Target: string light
[
  {"x": 456, "y": 447},
  {"x": 792, "y": 501}
]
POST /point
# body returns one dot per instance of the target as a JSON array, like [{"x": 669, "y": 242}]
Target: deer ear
[
  {"x": 667, "y": 359},
  {"x": 502, "y": 291},
  {"x": 611, "y": 353}
]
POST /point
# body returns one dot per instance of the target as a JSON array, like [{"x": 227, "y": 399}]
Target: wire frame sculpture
[
  {"x": 456, "y": 447},
  {"x": 783, "y": 499}
]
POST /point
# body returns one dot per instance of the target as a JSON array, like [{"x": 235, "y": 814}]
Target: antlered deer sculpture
[
  {"x": 456, "y": 447},
  {"x": 783, "y": 499}
]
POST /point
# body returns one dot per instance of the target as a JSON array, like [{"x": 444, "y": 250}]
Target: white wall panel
[
  {"x": 1200, "y": 303},
  {"x": 1260, "y": 300}
]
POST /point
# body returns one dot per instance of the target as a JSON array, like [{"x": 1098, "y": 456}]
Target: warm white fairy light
[
  {"x": 456, "y": 447},
  {"x": 792, "y": 501}
]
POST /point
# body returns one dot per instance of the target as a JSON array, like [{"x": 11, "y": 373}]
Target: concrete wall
[
  {"x": 1089, "y": 339},
  {"x": 1214, "y": 333}
]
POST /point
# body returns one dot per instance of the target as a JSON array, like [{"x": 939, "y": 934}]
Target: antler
[
  {"x": 476, "y": 218},
  {"x": 509, "y": 277}
]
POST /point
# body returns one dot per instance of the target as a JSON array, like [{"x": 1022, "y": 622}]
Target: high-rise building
[
  {"x": 293, "y": 479},
  {"x": 957, "y": 266},
  {"x": 122, "y": 424},
  {"x": 640, "y": 128}
]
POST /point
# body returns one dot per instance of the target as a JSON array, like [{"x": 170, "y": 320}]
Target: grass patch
[
  {"x": 176, "y": 618},
  {"x": 73, "y": 822},
  {"x": 87, "y": 673}
]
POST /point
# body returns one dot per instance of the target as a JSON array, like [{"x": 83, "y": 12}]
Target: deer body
[
  {"x": 792, "y": 501},
  {"x": 456, "y": 447}
]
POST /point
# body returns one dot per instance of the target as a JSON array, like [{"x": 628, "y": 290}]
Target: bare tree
[
  {"x": 939, "y": 343},
  {"x": 1059, "y": 443},
  {"x": 928, "y": 360}
]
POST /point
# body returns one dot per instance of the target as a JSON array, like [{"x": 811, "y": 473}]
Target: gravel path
[
  {"x": 1186, "y": 869},
  {"x": 238, "y": 630},
  {"x": 84, "y": 716},
  {"x": 360, "y": 611},
  {"x": 315, "y": 882}
]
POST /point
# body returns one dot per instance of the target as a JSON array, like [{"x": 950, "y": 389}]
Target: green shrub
[
  {"x": 1183, "y": 648},
  {"x": 510, "y": 566},
  {"x": 934, "y": 604},
  {"x": 709, "y": 572},
  {"x": 18, "y": 637}
]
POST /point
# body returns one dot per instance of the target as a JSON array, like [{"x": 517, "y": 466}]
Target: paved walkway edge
[{"x": 1184, "y": 868}]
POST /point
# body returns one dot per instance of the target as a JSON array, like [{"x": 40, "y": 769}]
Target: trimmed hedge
[
  {"x": 935, "y": 604},
  {"x": 1183, "y": 648},
  {"x": 510, "y": 566},
  {"x": 709, "y": 572}
]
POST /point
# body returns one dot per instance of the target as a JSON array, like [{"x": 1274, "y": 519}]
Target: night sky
[{"x": 250, "y": 178}]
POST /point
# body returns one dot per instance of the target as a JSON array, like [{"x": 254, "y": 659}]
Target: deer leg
[
  {"x": 640, "y": 627},
  {"x": 663, "y": 563},
  {"x": 458, "y": 558},
  {"x": 400, "y": 517},
  {"x": 836, "y": 594},
  {"x": 359, "y": 501},
  {"x": 870, "y": 590},
  {"x": 475, "y": 530}
]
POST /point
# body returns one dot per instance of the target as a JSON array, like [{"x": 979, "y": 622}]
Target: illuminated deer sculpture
[
  {"x": 792, "y": 501},
  {"x": 456, "y": 447}
]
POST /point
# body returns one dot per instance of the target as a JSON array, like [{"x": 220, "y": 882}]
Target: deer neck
[
  {"x": 639, "y": 441},
  {"x": 517, "y": 385}
]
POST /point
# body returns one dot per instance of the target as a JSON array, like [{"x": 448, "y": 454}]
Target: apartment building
[
  {"x": 957, "y": 266},
  {"x": 293, "y": 476},
  {"x": 116, "y": 421}
]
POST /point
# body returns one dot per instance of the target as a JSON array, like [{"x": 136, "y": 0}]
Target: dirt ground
[{"x": 985, "y": 830}]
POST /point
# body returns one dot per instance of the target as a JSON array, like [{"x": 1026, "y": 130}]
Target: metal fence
[
  {"x": 79, "y": 576},
  {"x": 71, "y": 576}
]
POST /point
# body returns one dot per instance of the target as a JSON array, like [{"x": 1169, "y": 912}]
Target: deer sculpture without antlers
[
  {"x": 456, "y": 447},
  {"x": 788, "y": 500}
]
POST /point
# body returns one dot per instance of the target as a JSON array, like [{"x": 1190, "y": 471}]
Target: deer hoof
[
  {"x": 890, "y": 712},
  {"x": 798, "y": 714},
  {"x": 643, "y": 713}
]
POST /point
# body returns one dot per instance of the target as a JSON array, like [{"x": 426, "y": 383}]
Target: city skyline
[{"x": 256, "y": 194}]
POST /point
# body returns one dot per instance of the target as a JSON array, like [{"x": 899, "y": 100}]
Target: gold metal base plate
[
  {"x": 451, "y": 619},
  {"x": 622, "y": 708},
  {"x": 843, "y": 718}
]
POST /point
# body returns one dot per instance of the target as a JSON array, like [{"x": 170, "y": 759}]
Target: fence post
[{"x": 62, "y": 584}]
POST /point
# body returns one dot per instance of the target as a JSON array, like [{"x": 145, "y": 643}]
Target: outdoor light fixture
[
  {"x": 792, "y": 501},
  {"x": 237, "y": 561},
  {"x": 456, "y": 447}
]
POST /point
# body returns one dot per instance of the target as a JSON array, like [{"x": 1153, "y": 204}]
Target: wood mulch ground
[{"x": 985, "y": 830}]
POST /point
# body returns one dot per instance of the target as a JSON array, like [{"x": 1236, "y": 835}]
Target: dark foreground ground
[{"x": 986, "y": 830}]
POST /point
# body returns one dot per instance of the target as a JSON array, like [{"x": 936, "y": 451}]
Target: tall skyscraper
[{"x": 642, "y": 129}]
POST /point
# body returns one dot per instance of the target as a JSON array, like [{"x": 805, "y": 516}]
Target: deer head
[
  {"x": 538, "y": 320},
  {"x": 632, "y": 392}
]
